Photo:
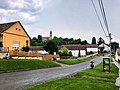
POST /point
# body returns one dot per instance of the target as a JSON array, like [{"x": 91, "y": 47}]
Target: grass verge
[
  {"x": 13, "y": 65},
  {"x": 71, "y": 62},
  {"x": 86, "y": 80}
]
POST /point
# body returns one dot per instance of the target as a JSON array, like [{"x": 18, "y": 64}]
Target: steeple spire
[{"x": 50, "y": 34}]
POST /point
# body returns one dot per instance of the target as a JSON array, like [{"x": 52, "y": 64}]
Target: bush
[
  {"x": 26, "y": 49},
  {"x": 91, "y": 52}
]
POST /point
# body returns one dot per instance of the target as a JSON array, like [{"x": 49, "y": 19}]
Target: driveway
[{"x": 18, "y": 80}]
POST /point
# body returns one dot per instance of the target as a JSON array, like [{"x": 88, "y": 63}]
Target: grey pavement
[{"x": 18, "y": 80}]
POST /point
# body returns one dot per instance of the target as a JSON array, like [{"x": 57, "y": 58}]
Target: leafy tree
[
  {"x": 93, "y": 40},
  {"x": 100, "y": 41},
  {"x": 84, "y": 42},
  {"x": 50, "y": 47},
  {"x": 39, "y": 37},
  {"x": 114, "y": 46},
  {"x": 64, "y": 52}
]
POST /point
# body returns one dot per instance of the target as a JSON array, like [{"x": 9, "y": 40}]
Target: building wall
[
  {"x": 15, "y": 34},
  {"x": 92, "y": 49},
  {"x": 75, "y": 52},
  {"x": 82, "y": 53}
]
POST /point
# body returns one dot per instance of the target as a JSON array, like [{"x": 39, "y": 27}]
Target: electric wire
[
  {"x": 98, "y": 18},
  {"x": 103, "y": 14}
]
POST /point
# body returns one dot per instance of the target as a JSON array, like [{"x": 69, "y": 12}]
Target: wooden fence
[{"x": 24, "y": 54}]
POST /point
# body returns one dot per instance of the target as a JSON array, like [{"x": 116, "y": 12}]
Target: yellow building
[{"x": 13, "y": 35}]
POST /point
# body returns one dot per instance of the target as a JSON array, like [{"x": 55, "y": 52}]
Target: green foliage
[
  {"x": 93, "y": 40},
  {"x": 114, "y": 46},
  {"x": 58, "y": 40},
  {"x": 100, "y": 41},
  {"x": 26, "y": 49},
  {"x": 84, "y": 42},
  {"x": 1, "y": 44},
  {"x": 91, "y": 79},
  {"x": 11, "y": 65},
  {"x": 91, "y": 52},
  {"x": 64, "y": 52},
  {"x": 50, "y": 47}
]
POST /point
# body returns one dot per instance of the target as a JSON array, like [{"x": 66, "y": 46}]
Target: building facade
[{"x": 13, "y": 35}]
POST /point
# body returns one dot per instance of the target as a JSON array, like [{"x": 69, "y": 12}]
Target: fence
[{"x": 24, "y": 54}]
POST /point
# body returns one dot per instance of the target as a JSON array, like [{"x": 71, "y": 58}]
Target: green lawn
[
  {"x": 86, "y": 80},
  {"x": 71, "y": 62},
  {"x": 11, "y": 65}
]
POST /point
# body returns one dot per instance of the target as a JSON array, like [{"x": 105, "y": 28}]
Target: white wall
[
  {"x": 75, "y": 52},
  {"x": 82, "y": 52},
  {"x": 92, "y": 49},
  {"x": 116, "y": 56}
]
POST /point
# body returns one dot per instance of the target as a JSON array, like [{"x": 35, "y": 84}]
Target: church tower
[{"x": 50, "y": 34}]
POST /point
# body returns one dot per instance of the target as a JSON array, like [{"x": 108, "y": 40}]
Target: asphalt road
[{"x": 18, "y": 80}]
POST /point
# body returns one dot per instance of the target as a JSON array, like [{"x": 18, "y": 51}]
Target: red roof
[{"x": 79, "y": 46}]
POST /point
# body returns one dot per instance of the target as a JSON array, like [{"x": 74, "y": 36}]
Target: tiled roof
[
  {"x": 79, "y": 46},
  {"x": 36, "y": 48},
  {"x": 74, "y": 47},
  {"x": 5, "y": 26}
]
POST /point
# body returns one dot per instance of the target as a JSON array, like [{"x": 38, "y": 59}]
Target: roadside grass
[
  {"x": 11, "y": 65},
  {"x": 91, "y": 79},
  {"x": 75, "y": 61}
]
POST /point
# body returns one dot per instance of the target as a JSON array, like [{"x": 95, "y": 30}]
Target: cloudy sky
[{"x": 66, "y": 18}]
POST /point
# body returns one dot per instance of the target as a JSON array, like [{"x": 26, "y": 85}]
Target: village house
[
  {"x": 13, "y": 35},
  {"x": 79, "y": 50},
  {"x": 117, "y": 55}
]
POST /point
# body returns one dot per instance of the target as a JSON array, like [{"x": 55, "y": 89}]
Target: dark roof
[
  {"x": 36, "y": 48},
  {"x": 5, "y": 26},
  {"x": 79, "y": 46}
]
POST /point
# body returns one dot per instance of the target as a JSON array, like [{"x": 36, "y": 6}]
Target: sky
[{"x": 66, "y": 18}]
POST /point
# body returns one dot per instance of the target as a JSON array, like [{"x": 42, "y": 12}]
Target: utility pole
[{"x": 110, "y": 44}]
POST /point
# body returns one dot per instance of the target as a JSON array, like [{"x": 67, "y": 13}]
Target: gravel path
[{"x": 18, "y": 80}]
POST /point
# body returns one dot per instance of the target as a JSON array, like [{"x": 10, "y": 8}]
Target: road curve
[{"x": 18, "y": 80}]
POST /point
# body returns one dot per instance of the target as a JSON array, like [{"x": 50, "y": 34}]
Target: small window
[
  {"x": 16, "y": 28},
  {"x": 19, "y": 29},
  {"x": 26, "y": 42}
]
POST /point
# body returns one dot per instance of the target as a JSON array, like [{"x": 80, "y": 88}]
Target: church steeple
[{"x": 50, "y": 34}]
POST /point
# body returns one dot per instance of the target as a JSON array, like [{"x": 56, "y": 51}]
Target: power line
[
  {"x": 98, "y": 18},
  {"x": 103, "y": 14}
]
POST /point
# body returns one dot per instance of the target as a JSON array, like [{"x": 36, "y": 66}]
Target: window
[
  {"x": 19, "y": 29},
  {"x": 16, "y": 28},
  {"x": 26, "y": 42},
  {"x": 16, "y": 44}
]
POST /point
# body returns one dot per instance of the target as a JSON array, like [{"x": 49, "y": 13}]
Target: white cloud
[{"x": 26, "y": 11}]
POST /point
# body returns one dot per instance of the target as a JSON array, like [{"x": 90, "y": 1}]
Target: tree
[
  {"x": 100, "y": 41},
  {"x": 93, "y": 40},
  {"x": 39, "y": 37},
  {"x": 114, "y": 46},
  {"x": 84, "y": 42},
  {"x": 64, "y": 52},
  {"x": 50, "y": 47}
]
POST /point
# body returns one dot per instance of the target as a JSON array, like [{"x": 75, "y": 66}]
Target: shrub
[{"x": 26, "y": 49}]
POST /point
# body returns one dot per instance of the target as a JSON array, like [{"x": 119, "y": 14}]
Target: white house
[
  {"x": 38, "y": 49},
  {"x": 117, "y": 55},
  {"x": 79, "y": 50}
]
